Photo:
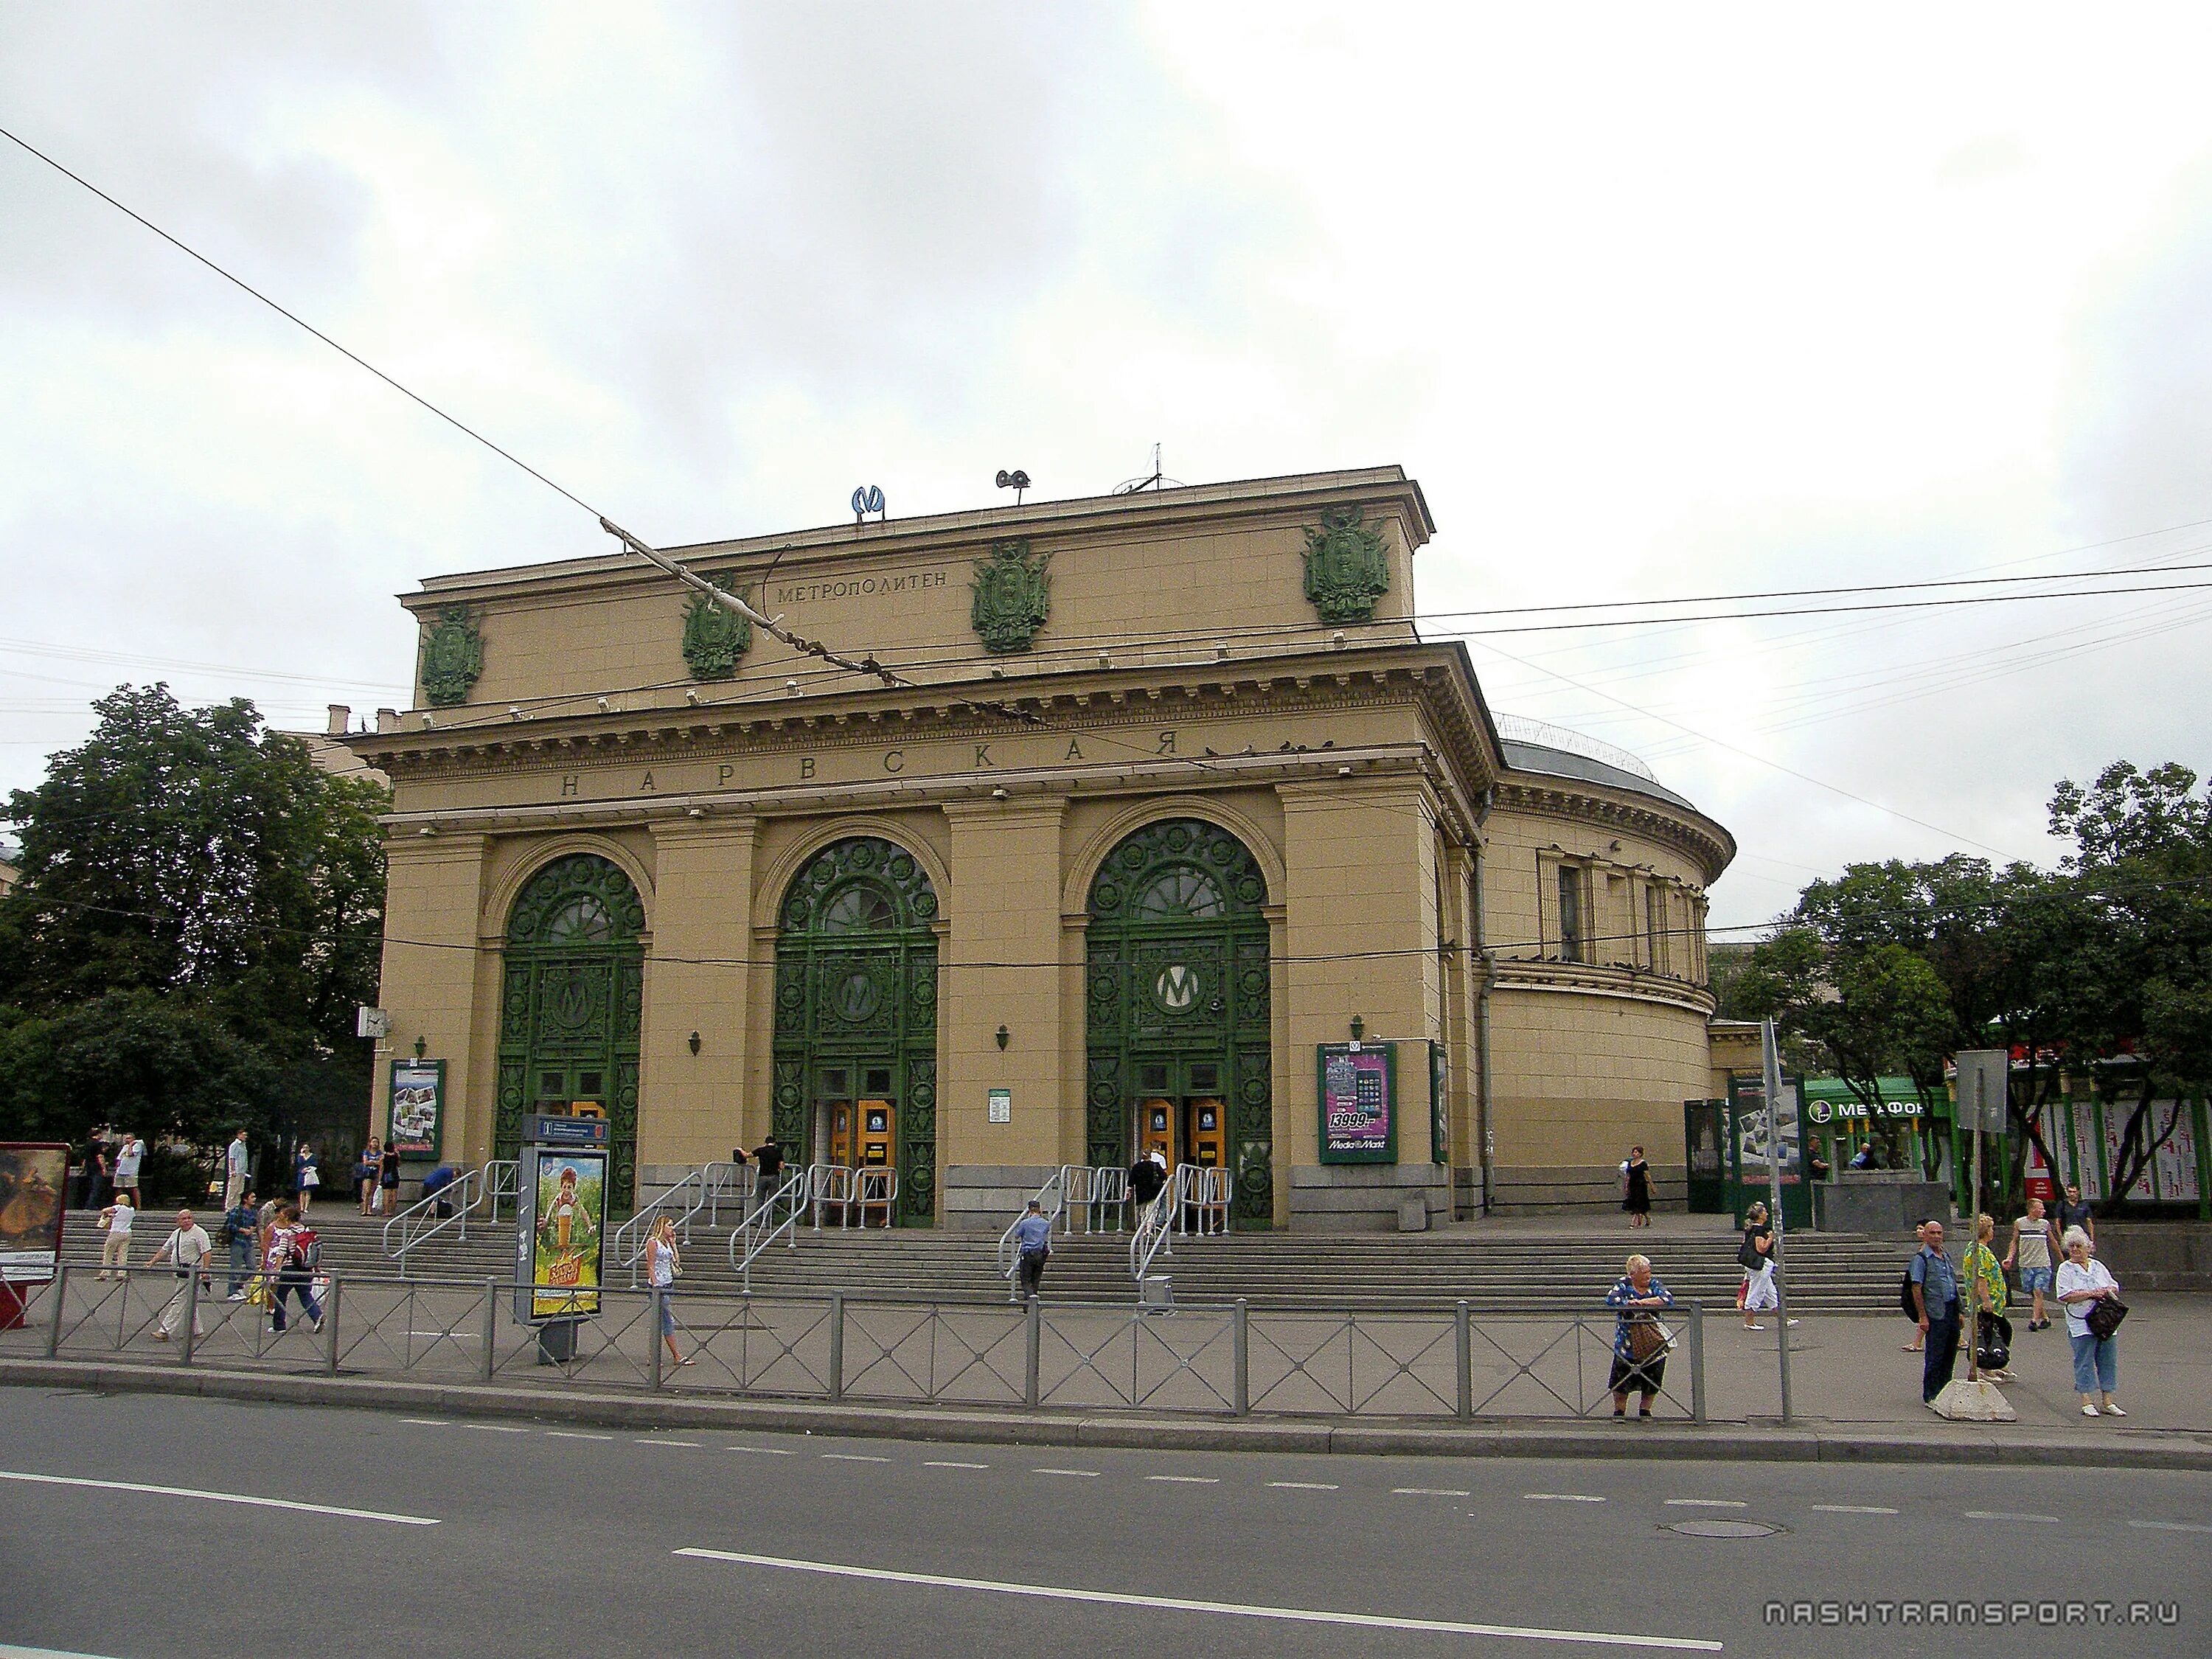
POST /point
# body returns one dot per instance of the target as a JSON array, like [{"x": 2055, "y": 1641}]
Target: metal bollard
[
  {"x": 330, "y": 1327},
  {"x": 491, "y": 1325},
  {"x": 1698, "y": 1362},
  {"x": 1033, "y": 1356},
  {"x": 836, "y": 1345},
  {"x": 54, "y": 1325},
  {"x": 1463, "y": 1360},
  {"x": 192, "y": 1315},
  {"x": 657, "y": 1296},
  {"x": 1239, "y": 1359}
]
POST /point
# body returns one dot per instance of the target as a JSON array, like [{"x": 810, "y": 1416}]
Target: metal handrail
[
  {"x": 1108, "y": 1190},
  {"x": 763, "y": 1229},
  {"x": 463, "y": 1195},
  {"x": 503, "y": 1179},
  {"x": 681, "y": 1202},
  {"x": 826, "y": 1183},
  {"x": 1211, "y": 1189},
  {"x": 1154, "y": 1223},
  {"x": 736, "y": 1180},
  {"x": 875, "y": 1186},
  {"x": 1052, "y": 1197}
]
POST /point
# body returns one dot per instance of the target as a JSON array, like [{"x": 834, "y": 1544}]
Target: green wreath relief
[
  {"x": 714, "y": 637},
  {"x": 1347, "y": 568},
  {"x": 452, "y": 657},
  {"x": 1014, "y": 596}
]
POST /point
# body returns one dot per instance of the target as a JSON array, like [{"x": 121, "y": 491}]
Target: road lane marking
[
  {"x": 2006, "y": 1515},
  {"x": 429, "y": 1422},
  {"x": 764, "y": 1451},
  {"x": 654, "y": 1440},
  {"x": 496, "y": 1428},
  {"x": 1429, "y": 1491},
  {"x": 574, "y": 1434},
  {"x": 947, "y": 1463},
  {"x": 2170, "y": 1526},
  {"x": 1087, "y": 1475},
  {"x": 1860, "y": 1509},
  {"x": 1186, "y": 1480},
  {"x": 1303, "y": 1486},
  {"x": 7, "y": 1652},
  {"x": 1561, "y": 1498},
  {"x": 1229, "y": 1609},
  {"x": 331, "y": 1509},
  {"x": 854, "y": 1458},
  {"x": 1706, "y": 1503}
]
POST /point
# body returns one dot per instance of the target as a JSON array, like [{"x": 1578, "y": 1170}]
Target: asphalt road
[{"x": 376, "y": 1533}]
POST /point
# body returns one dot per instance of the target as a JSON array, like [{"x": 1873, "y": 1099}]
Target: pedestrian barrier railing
[
  {"x": 828, "y": 1186},
  {"x": 1204, "y": 1207},
  {"x": 681, "y": 1203},
  {"x": 875, "y": 1187},
  {"x": 728, "y": 1179},
  {"x": 502, "y": 1178},
  {"x": 1101, "y": 1192},
  {"x": 421, "y": 1221},
  {"x": 1155, "y": 1221},
  {"x": 1454, "y": 1363},
  {"x": 1050, "y": 1198},
  {"x": 775, "y": 1217}
]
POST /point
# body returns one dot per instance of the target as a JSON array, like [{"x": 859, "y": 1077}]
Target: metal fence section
[{"x": 1457, "y": 1363}]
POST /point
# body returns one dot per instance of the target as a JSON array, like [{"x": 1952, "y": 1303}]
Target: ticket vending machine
[
  {"x": 1156, "y": 1129},
  {"x": 875, "y": 1191}
]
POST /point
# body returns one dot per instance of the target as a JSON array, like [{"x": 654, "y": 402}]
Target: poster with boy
[{"x": 564, "y": 1275}]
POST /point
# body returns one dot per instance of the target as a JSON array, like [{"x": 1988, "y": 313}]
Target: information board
[
  {"x": 34, "y": 1178},
  {"x": 1358, "y": 1102},
  {"x": 562, "y": 1232},
  {"x": 418, "y": 1107}
]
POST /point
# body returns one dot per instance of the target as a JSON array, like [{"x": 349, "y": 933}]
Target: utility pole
[{"x": 1772, "y": 1081}]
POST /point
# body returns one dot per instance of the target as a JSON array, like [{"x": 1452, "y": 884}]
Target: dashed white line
[
  {"x": 2007, "y": 1514},
  {"x": 1186, "y": 1480},
  {"x": 1853, "y": 1509},
  {"x": 854, "y": 1458},
  {"x": 1302, "y": 1486},
  {"x": 574, "y": 1434},
  {"x": 331, "y": 1509},
  {"x": 1191, "y": 1604},
  {"x": 1706, "y": 1503},
  {"x": 654, "y": 1440},
  {"x": 1087, "y": 1475},
  {"x": 496, "y": 1428},
  {"x": 1561, "y": 1498},
  {"x": 764, "y": 1451},
  {"x": 1429, "y": 1491},
  {"x": 947, "y": 1464},
  {"x": 429, "y": 1422},
  {"x": 2170, "y": 1526}
]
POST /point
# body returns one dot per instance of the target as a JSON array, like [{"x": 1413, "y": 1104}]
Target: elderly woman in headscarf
[{"x": 1639, "y": 1341}]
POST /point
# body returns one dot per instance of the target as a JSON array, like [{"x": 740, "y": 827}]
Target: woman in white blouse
[{"x": 2082, "y": 1280}]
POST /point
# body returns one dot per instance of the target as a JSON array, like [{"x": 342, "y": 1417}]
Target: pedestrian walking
[
  {"x": 388, "y": 1181},
  {"x": 91, "y": 1178},
  {"x": 365, "y": 1171},
  {"x": 2071, "y": 1212},
  {"x": 1635, "y": 1189},
  {"x": 186, "y": 1251},
  {"x": 289, "y": 1262},
  {"x": 1991, "y": 1351},
  {"x": 2031, "y": 1254},
  {"x": 1936, "y": 1293},
  {"x": 305, "y": 1177},
  {"x": 237, "y": 1169},
  {"x": 241, "y": 1235},
  {"x": 768, "y": 1164},
  {"x": 1755, "y": 1255},
  {"x": 115, "y": 1221},
  {"x": 664, "y": 1266},
  {"x": 1032, "y": 1249},
  {"x": 1640, "y": 1342},
  {"x": 2084, "y": 1281},
  {"x": 127, "y": 1158}
]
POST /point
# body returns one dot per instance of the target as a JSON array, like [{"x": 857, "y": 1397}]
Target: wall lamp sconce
[
  {"x": 1344, "y": 771},
  {"x": 429, "y": 722},
  {"x": 1005, "y": 1037},
  {"x": 1221, "y": 652},
  {"x": 514, "y": 713},
  {"x": 1358, "y": 1029},
  {"x": 1336, "y": 640},
  {"x": 421, "y": 1047},
  {"x": 606, "y": 705},
  {"x": 427, "y": 831},
  {"x": 1000, "y": 793},
  {"x": 792, "y": 686},
  {"x": 692, "y": 696},
  {"x": 695, "y": 1042}
]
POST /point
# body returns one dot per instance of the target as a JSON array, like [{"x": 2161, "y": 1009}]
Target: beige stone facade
[{"x": 1182, "y": 838}]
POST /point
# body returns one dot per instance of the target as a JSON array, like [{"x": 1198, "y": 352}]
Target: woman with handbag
[
  {"x": 1640, "y": 1342},
  {"x": 1755, "y": 1255},
  {"x": 663, "y": 1265},
  {"x": 2091, "y": 1297}
]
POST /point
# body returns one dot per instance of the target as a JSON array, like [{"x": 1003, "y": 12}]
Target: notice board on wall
[{"x": 1358, "y": 1102}]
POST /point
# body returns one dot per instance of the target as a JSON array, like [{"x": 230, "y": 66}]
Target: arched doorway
[
  {"x": 573, "y": 986},
  {"x": 1177, "y": 1030},
  {"x": 855, "y": 1050}
]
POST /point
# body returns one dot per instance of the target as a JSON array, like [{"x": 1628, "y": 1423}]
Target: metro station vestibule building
[{"x": 1180, "y": 792}]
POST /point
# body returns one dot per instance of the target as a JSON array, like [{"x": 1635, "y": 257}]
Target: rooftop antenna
[
  {"x": 868, "y": 498},
  {"x": 1159, "y": 480},
  {"x": 1016, "y": 481}
]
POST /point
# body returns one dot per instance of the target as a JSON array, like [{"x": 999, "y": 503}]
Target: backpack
[
  {"x": 1905, "y": 1298},
  {"x": 306, "y": 1250}
]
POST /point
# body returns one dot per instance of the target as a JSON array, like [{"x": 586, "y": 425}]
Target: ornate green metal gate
[
  {"x": 575, "y": 983},
  {"x": 856, "y": 1005},
  {"x": 1178, "y": 995}
]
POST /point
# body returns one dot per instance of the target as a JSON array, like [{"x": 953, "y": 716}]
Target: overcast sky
[{"x": 1653, "y": 300}]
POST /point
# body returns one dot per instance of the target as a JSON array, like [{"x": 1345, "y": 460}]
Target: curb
[{"x": 1732, "y": 1442}]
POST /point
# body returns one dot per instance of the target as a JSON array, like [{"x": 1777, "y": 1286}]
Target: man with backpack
[{"x": 294, "y": 1255}]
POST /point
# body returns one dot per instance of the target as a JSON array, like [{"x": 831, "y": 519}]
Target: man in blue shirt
[
  {"x": 1033, "y": 1243},
  {"x": 1936, "y": 1291},
  {"x": 241, "y": 1232}
]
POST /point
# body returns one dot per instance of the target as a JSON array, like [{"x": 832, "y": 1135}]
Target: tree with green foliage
[{"x": 200, "y": 911}]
